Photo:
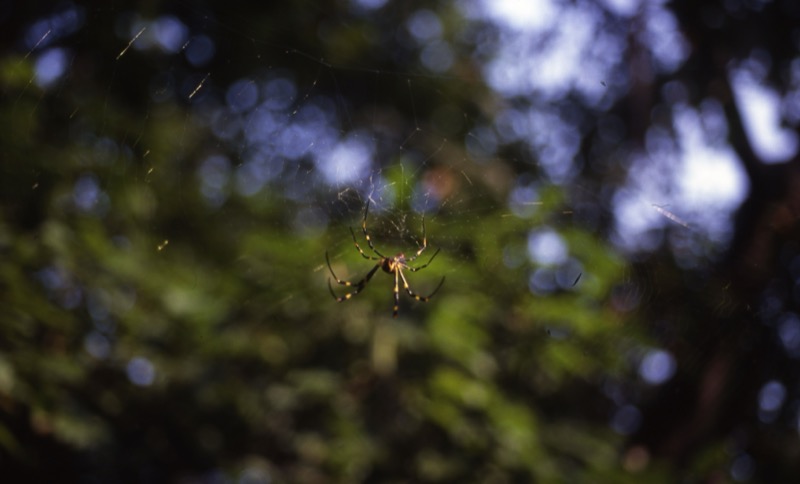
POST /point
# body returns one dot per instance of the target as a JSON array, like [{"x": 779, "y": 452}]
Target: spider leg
[
  {"x": 413, "y": 294},
  {"x": 415, "y": 269},
  {"x": 361, "y": 251},
  {"x": 358, "y": 285},
  {"x": 366, "y": 234},
  {"x": 424, "y": 238},
  {"x": 397, "y": 275},
  {"x": 424, "y": 244}
]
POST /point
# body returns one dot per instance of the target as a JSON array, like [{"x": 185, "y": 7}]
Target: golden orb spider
[{"x": 391, "y": 265}]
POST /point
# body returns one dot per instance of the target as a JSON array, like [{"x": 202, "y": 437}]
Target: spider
[{"x": 391, "y": 265}]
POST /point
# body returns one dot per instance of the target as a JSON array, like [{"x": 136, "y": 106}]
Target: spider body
[{"x": 391, "y": 265}]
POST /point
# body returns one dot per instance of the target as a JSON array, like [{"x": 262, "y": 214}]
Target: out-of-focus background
[{"x": 613, "y": 187}]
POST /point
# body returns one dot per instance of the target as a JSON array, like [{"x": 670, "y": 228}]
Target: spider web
[
  {"x": 289, "y": 130},
  {"x": 294, "y": 128}
]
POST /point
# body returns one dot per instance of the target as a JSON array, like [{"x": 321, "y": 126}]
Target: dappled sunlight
[
  {"x": 692, "y": 182},
  {"x": 762, "y": 118}
]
